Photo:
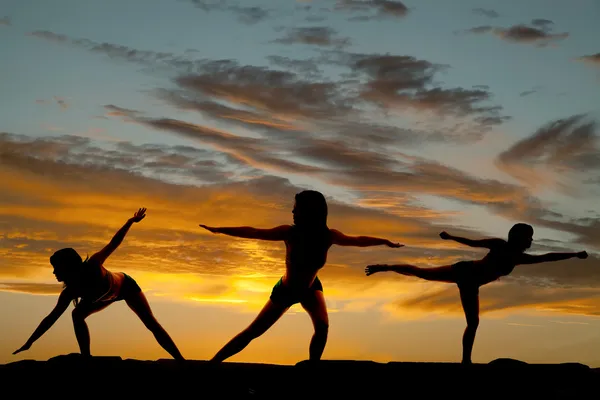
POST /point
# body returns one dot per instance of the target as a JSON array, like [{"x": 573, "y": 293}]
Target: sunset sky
[{"x": 412, "y": 118}]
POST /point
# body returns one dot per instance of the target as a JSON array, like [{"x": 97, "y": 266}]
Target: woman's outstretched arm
[
  {"x": 247, "y": 232},
  {"x": 536, "y": 259},
  {"x": 485, "y": 243},
  {"x": 103, "y": 254},
  {"x": 64, "y": 299},
  {"x": 360, "y": 241}
]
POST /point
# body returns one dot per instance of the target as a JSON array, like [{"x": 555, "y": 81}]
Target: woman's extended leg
[
  {"x": 316, "y": 308},
  {"x": 270, "y": 313},
  {"x": 469, "y": 298},
  {"x": 139, "y": 305},
  {"x": 438, "y": 274},
  {"x": 82, "y": 332}
]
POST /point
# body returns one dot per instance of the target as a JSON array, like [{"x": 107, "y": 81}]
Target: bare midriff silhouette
[
  {"x": 307, "y": 242},
  {"x": 469, "y": 276},
  {"x": 92, "y": 288}
]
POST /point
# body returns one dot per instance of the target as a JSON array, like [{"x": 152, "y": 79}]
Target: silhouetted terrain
[{"x": 112, "y": 377}]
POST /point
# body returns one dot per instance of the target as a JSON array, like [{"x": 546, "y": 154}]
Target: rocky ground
[{"x": 71, "y": 376}]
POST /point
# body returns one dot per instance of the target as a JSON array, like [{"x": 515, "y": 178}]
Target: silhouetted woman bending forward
[
  {"x": 92, "y": 288},
  {"x": 470, "y": 275},
  {"x": 307, "y": 243}
]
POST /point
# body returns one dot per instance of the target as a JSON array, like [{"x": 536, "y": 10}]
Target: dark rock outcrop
[{"x": 72, "y": 376}]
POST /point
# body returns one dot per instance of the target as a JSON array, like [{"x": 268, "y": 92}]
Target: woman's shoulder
[
  {"x": 297, "y": 233},
  {"x": 69, "y": 293},
  {"x": 92, "y": 262},
  {"x": 93, "y": 268},
  {"x": 497, "y": 244},
  {"x": 311, "y": 230}
]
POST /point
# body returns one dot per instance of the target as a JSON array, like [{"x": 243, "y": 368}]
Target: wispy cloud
[
  {"x": 31, "y": 288},
  {"x": 592, "y": 59},
  {"x": 486, "y": 12},
  {"x": 341, "y": 162},
  {"x": 371, "y": 9},
  {"x": 55, "y": 37},
  {"x": 246, "y": 14},
  {"x": 508, "y": 296},
  {"x": 527, "y": 34},
  {"x": 316, "y": 36},
  {"x": 480, "y": 29},
  {"x": 303, "y": 67},
  {"x": 393, "y": 81},
  {"x": 119, "y": 52},
  {"x": 60, "y": 101},
  {"x": 533, "y": 90},
  {"x": 538, "y": 32},
  {"x": 542, "y": 23},
  {"x": 269, "y": 90},
  {"x": 307, "y": 95},
  {"x": 555, "y": 151}
]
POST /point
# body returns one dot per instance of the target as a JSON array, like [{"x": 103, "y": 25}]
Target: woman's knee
[
  {"x": 79, "y": 315},
  {"x": 473, "y": 323},
  {"x": 322, "y": 327}
]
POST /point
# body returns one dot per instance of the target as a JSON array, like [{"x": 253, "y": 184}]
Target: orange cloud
[
  {"x": 555, "y": 154},
  {"x": 443, "y": 299},
  {"x": 591, "y": 59},
  {"x": 31, "y": 288},
  {"x": 538, "y": 32},
  {"x": 58, "y": 192}
]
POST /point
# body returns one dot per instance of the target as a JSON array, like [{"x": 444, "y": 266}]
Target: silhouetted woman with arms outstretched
[
  {"x": 92, "y": 288},
  {"x": 500, "y": 261},
  {"x": 307, "y": 243}
]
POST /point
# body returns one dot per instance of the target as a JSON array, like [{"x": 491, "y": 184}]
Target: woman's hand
[
  {"x": 375, "y": 268},
  {"x": 210, "y": 228},
  {"x": 445, "y": 235},
  {"x": 139, "y": 215},
  {"x": 393, "y": 245}
]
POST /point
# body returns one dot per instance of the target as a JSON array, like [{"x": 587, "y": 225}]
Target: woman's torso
[
  {"x": 499, "y": 261},
  {"x": 98, "y": 284},
  {"x": 306, "y": 254}
]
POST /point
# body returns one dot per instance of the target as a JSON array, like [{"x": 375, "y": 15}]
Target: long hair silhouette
[
  {"x": 72, "y": 267},
  {"x": 311, "y": 210},
  {"x": 92, "y": 288},
  {"x": 307, "y": 242}
]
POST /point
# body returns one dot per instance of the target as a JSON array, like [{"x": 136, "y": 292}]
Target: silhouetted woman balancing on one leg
[
  {"x": 470, "y": 275},
  {"x": 92, "y": 288},
  {"x": 307, "y": 243}
]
